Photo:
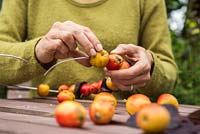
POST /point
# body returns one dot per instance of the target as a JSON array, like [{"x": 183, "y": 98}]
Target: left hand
[{"x": 137, "y": 75}]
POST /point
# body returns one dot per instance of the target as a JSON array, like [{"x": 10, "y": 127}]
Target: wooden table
[{"x": 35, "y": 116}]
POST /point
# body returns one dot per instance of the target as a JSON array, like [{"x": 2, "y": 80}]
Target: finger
[
  {"x": 130, "y": 87},
  {"x": 128, "y": 49},
  {"x": 77, "y": 34},
  {"x": 76, "y": 54},
  {"x": 130, "y": 73},
  {"x": 143, "y": 78},
  {"x": 90, "y": 36},
  {"x": 62, "y": 51},
  {"x": 93, "y": 39},
  {"x": 84, "y": 42},
  {"x": 68, "y": 39}
]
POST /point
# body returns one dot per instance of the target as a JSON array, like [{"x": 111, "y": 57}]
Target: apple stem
[{"x": 13, "y": 56}]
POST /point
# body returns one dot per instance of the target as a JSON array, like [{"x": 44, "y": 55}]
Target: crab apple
[
  {"x": 100, "y": 60},
  {"x": 168, "y": 99},
  {"x": 115, "y": 62},
  {"x": 72, "y": 88},
  {"x": 106, "y": 97},
  {"x": 65, "y": 95},
  {"x": 85, "y": 89},
  {"x": 43, "y": 90},
  {"x": 125, "y": 65},
  {"x": 62, "y": 87},
  {"x": 70, "y": 114},
  {"x": 135, "y": 102},
  {"x": 101, "y": 112},
  {"x": 100, "y": 83},
  {"x": 95, "y": 87},
  {"x": 153, "y": 118},
  {"x": 110, "y": 85}
]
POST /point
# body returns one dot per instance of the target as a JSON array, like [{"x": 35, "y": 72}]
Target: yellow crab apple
[
  {"x": 70, "y": 114},
  {"x": 43, "y": 90},
  {"x": 101, "y": 112},
  {"x": 65, "y": 95},
  {"x": 167, "y": 98},
  {"x": 153, "y": 118},
  {"x": 135, "y": 102},
  {"x": 106, "y": 97},
  {"x": 100, "y": 60}
]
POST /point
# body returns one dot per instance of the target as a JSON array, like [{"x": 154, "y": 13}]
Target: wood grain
[{"x": 22, "y": 116}]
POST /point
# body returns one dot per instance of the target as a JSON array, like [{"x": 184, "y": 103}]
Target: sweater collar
[{"x": 87, "y": 4}]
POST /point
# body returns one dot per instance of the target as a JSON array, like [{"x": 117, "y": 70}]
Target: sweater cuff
[
  {"x": 29, "y": 54},
  {"x": 152, "y": 87},
  {"x": 46, "y": 66}
]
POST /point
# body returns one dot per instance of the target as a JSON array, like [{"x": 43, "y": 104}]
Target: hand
[
  {"x": 137, "y": 75},
  {"x": 61, "y": 42}
]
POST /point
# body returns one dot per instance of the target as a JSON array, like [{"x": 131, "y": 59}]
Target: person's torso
[{"x": 114, "y": 22}]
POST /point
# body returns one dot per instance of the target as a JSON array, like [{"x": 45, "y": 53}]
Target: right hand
[{"x": 61, "y": 42}]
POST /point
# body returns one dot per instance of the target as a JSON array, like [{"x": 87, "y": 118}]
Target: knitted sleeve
[
  {"x": 155, "y": 37},
  {"x": 13, "y": 24}
]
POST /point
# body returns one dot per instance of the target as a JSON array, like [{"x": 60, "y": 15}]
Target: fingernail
[
  {"x": 99, "y": 47},
  {"x": 92, "y": 52}
]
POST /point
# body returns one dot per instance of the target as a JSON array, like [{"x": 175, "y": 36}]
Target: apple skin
[
  {"x": 100, "y": 60},
  {"x": 100, "y": 83},
  {"x": 106, "y": 97},
  {"x": 43, "y": 90},
  {"x": 62, "y": 87},
  {"x": 110, "y": 85},
  {"x": 125, "y": 65},
  {"x": 85, "y": 89},
  {"x": 70, "y": 114},
  {"x": 167, "y": 98},
  {"x": 72, "y": 88},
  {"x": 115, "y": 62},
  {"x": 101, "y": 112},
  {"x": 153, "y": 118},
  {"x": 136, "y": 102},
  {"x": 95, "y": 87},
  {"x": 65, "y": 95}
]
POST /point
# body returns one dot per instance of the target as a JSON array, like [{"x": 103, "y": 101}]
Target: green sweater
[{"x": 139, "y": 22}]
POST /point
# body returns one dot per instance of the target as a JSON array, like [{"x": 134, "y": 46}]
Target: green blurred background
[{"x": 184, "y": 24}]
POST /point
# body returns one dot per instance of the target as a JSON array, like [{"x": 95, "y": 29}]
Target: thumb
[{"x": 124, "y": 49}]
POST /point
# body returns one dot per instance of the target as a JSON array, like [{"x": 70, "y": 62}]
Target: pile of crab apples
[
  {"x": 151, "y": 117},
  {"x": 69, "y": 113}
]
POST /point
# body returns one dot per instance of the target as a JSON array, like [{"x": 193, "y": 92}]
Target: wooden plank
[
  {"x": 36, "y": 116},
  {"x": 34, "y": 124},
  {"x": 43, "y": 108}
]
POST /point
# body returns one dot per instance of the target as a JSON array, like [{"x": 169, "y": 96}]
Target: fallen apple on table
[
  {"x": 101, "y": 112},
  {"x": 153, "y": 118},
  {"x": 106, "y": 97},
  {"x": 70, "y": 114},
  {"x": 136, "y": 102},
  {"x": 167, "y": 98},
  {"x": 65, "y": 95}
]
